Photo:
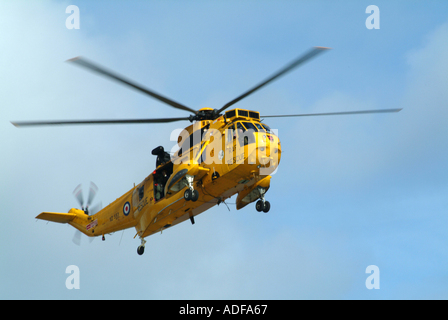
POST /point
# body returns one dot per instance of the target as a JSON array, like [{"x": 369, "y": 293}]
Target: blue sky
[{"x": 350, "y": 191}]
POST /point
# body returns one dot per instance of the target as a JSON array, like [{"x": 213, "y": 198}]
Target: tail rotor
[
  {"x": 93, "y": 190},
  {"x": 92, "y": 193}
]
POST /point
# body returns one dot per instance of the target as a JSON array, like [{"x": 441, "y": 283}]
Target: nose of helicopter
[{"x": 267, "y": 154}]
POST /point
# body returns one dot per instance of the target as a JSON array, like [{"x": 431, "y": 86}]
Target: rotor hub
[{"x": 204, "y": 114}]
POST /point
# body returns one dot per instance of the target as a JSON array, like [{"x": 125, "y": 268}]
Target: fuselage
[{"x": 232, "y": 154}]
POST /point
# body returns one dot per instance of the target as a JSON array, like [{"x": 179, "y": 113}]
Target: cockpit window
[
  {"x": 239, "y": 127},
  {"x": 259, "y": 127},
  {"x": 268, "y": 130},
  {"x": 250, "y": 126},
  {"x": 245, "y": 137}
]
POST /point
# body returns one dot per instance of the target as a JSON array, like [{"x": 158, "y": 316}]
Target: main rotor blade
[
  {"x": 94, "y": 67},
  {"x": 333, "y": 113},
  {"x": 75, "y": 122},
  {"x": 310, "y": 54}
]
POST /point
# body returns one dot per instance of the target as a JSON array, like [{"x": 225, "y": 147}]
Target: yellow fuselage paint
[{"x": 224, "y": 161}]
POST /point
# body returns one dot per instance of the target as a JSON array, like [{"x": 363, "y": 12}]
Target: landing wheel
[
  {"x": 259, "y": 206},
  {"x": 194, "y": 195},
  {"x": 140, "y": 250},
  {"x": 262, "y": 204},
  {"x": 188, "y": 195},
  {"x": 266, "y": 206}
]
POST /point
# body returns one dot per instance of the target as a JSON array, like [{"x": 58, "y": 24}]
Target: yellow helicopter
[{"x": 222, "y": 153}]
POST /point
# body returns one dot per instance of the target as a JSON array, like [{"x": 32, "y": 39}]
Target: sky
[{"x": 350, "y": 191}]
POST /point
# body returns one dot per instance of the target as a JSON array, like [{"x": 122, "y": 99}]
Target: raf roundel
[{"x": 126, "y": 208}]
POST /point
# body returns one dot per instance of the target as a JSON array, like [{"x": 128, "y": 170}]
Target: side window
[
  {"x": 243, "y": 139},
  {"x": 185, "y": 146},
  {"x": 158, "y": 188},
  {"x": 138, "y": 194},
  {"x": 194, "y": 139},
  {"x": 203, "y": 155},
  {"x": 230, "y": 131},
  {"x": 141, "y": 192}
]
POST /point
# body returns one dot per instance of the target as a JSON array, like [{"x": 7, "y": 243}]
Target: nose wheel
[
  {"x": 191, "y": 194},
  {"x": 262, "y": 204}
]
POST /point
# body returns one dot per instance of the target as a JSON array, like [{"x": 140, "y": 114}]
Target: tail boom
[{"x": 75, "y": 217}]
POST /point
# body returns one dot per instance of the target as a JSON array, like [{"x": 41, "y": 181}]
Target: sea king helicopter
[{"x": 222, "y": 153}]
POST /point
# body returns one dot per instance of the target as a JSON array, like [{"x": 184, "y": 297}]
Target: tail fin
[
  {"x": 57, "y": 217},
  {"x": 75, "y": 217}
]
